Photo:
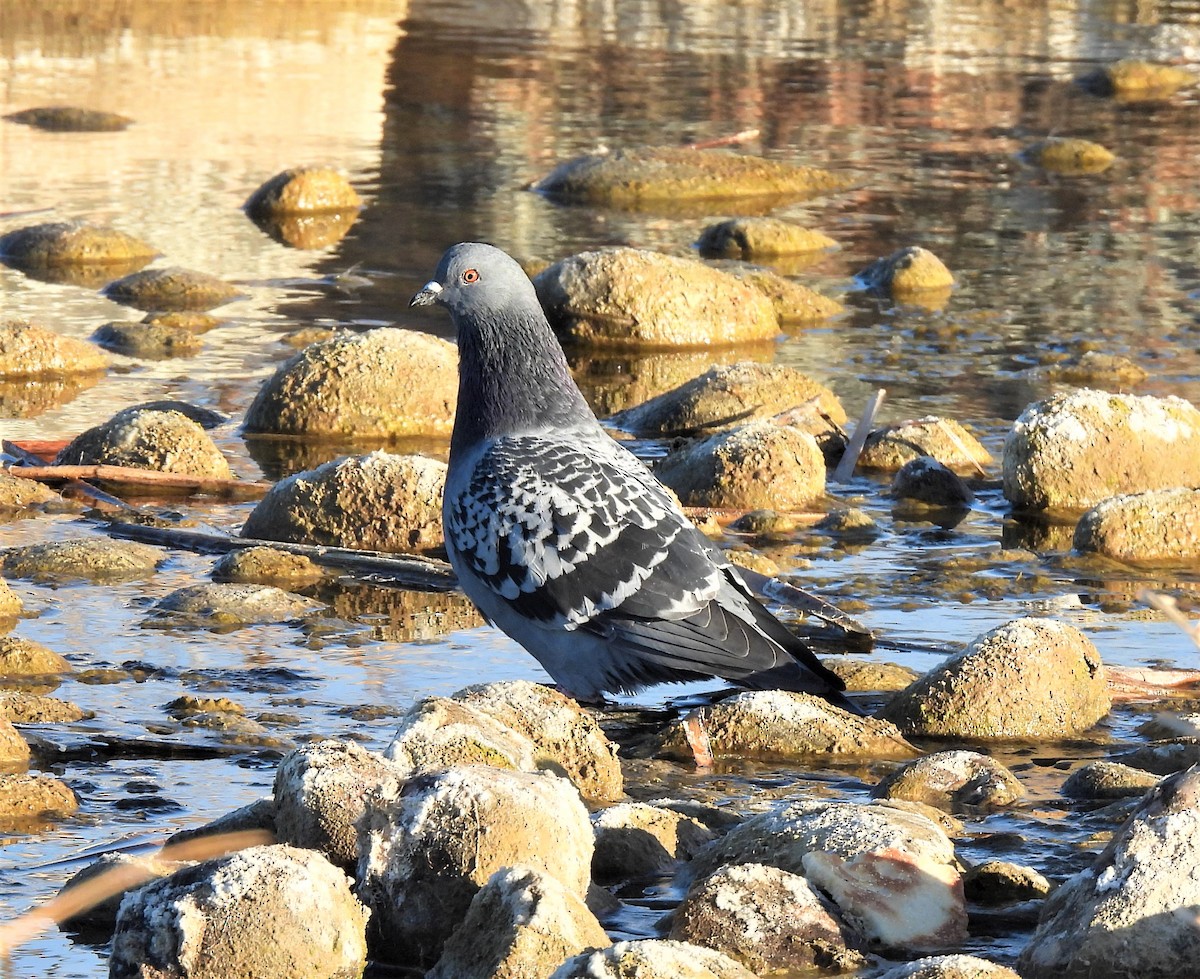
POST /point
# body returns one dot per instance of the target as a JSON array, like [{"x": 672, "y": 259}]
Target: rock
[
  {"x": 724, "y": 397},
  {"x": 172, "y": 289},
  {"x": 756, "y": 466},
  {"x": 925, "y": 480},
  {"x": 189, "y": 706},
  {"x": 89, "y": 558},
  {"x": 303, "y": 190},
  {"x": 379, "y": 502},
  {"x": 1137, "y": 80},
  {"x": 33, "y": 798},
  {"x": 23, "y": 707},
  {"x": 128, "y": 871},
  {"x": 633, "y": 298},
  {"x": 1029, "y": 678},
  {"x": 664, "y": 175},
  {"x": 1091, "y": 367},
  {"x": 1171, "y": 725},
  {"x": 950, "y": 967},
  {"x": 152, "y": 341},
  {"x": 190, "y": 322},
  {"x": 767, "y": 919},
  {"x": 266, "y": 565},
  {"x": 1163, "y": 757},
  {"x": 753, "y": 238},
  {"x": 793, "y": 303},
  {"x": 14, "y": 751},
  {"x": 907, "y": 271},
  {"x": 384, "y": 383},
  {"x": 781, "y": 725},
  {"x": 1159, "y": 526},
  {"x": 953, "y": 780},
  {"x": 438, "y": 733},
  {"x": 23, "y": 494},
  {"x": 1132, "y": 913},
  {"x": 163, "y": 441},
  {"x": 566, "y": 738},
  {"x": 26, "y": 658},
  {"x": 74, "y": 251},
  {"x": 1073, "y": 450},
  {"x": 634, "y": 839},
  {"x": 257, "y": 816},
  {"x": 320, "y": 793},
  {"x": 521, "y": 924},
  {"x": 218, "y": 605},
  {"x": 31, "y": 351},
  {"x": 70, "y": 119},
  {"x": 269, "y": 912},
  {"x": 943, "y": 439},
  {"x": 865, "y": 675},
  {"x": 10, "y": 602},
  {"x": 850, "y": 524},
  {"x": 652, "y": 958},
  {"x": 998, "y": 882},
  {"x": 426, "y": 848},
  {"x": 1108, "y": 780},
  {"x": 753, "y": 560},
  {"x": 1068, "y": 156}
]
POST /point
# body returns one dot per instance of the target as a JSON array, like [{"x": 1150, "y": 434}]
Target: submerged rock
[
  {"x": 217, "y": 605},
  {"x": 633, "y": 298},
  {"x": 1029, "y": 678},
  {"x": 952, "y": 780},
  {"x": 91, "y": 558},
  {"x": 1133, "y": 912},
  {"x": 379, "y": 502},
  {"x": 31, "y": 351},
  {"x": 1068, "y": 156},
  {"x": 172, "y": 289},
  {"x": 925, "y": 480},
  {"x": 1074, "y": 450},
  {"x": 70, "y": 119},
  {"x": 303, "y": 190},
  {"x": 907, "y": 271},
  {"x": 148, "y": 340},
  {"x": 652, "y": 958},
  {"x": 942, "y": 439},
  {"x": 1159, "y": 526},
  {"x": 756, "y": 466},
  {"x": 754, "y": 238},
  {"x": 634, "y": 839},
  {"x": 633, "y": 177},
  {"x": 141, "y": 438},
  {"x": 269, "y": 912},
  {"x": 384, "y": 383}
]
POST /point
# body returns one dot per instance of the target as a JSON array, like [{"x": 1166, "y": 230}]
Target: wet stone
[
  {"x": 793, "y": 303},
  {"x": 14, "y": 750},
  {"x": 26, "y": 798},
  {"x": 219, "y": 605},
  {"x": 652, "y": 958},
  {"x": 634, "y": 839},
  {"x": 70, "y": 119},
  {"x": 303, "y": 190},
  {"x": 66, "y": 243},
  {"x": 380, "y": 502},
  {"x": 142, "y": 438},
  {"x": 89, "y": 558},
  {"x": 907, "y": 271},
  {"x": 172, "y": 289},
  {"x": 266, "y": 565},
  {"x": 998, "y": 882},
  {"x": 867, "y": 675},
  {"x": 28, "y": 350},
  {"x": 128, "y": 870},
  {"x": 950, "y": 967},
  {"x": 1068, "y": 156},
  {"x": 954, "y": 780},
  {"x": 925, "y": 480},
  {"x": 1108, "y": 780},
  {"x": 943, "y": 439},
  {"x": 634, "y": 298},
  {"x": 1159, "y": 526},
  {"x": 149, "y": 340},
  {"x": 26, "y": 658},
  {"x": 751, "y": 238},
  {"x": 22, "y": 494},
  {"x": 1135, "y": 80}
]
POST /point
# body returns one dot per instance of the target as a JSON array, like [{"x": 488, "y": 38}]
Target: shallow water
[{"x": 441, "y": 114}]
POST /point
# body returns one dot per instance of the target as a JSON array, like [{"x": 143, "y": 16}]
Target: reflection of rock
[
  {"x": 1069, "y": 157},
  {"x": 70, "y": 119},
  {"x": 308, "y": 231},
  {"x": 397, "y": 615},
  {"x": 172, "y": 289},
  {"x": 30, "y": 397}
]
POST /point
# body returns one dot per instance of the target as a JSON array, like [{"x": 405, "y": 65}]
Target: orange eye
[{"x": 470, "y": 275}]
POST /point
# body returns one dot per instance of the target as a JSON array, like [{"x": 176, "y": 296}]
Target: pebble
[
  {"x": 998, "y": 882},
  {"x": 303, "y": 190},
  {"x": 266, "y": 565},
  {"x": 26, "y": 798}
]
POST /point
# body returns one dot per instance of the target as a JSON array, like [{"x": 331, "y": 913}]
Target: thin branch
[
  {"x": 147, "y": 479},
  {"x": 845, "y": 468}
]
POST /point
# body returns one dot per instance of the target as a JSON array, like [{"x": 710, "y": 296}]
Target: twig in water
[{"x": 845, "y": 468}]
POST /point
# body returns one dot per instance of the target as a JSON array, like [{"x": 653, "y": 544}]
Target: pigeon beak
[{"x": 428, "y": 294}]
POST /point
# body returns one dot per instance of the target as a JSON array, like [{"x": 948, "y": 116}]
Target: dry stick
[
  {"x": 243, "y": 488},
  {"x": 958, "y": 444},
  {"x": 32, "y": 454},
  {"x": 96, "y": 890},
  {"x": 845, "y": 468}
]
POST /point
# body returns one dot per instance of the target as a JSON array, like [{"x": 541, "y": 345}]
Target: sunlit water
[{"x": 441, "y": 114}]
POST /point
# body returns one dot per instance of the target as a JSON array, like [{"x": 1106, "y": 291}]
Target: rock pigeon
[{"x": 563, "y": 538}]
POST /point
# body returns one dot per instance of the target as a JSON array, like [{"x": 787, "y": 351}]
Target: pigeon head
[{"x": 477, "y": 282}]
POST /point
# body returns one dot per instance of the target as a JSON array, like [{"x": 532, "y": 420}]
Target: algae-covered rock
[
  {"x": 28, "y": 350},
  {"x": 657, "y": 175},
  {"x": 1029, "y": 678},
  {"x": 652, "y": 958},
  {"x": 153, "y": 341},
  {"x": 70, "y": 119},
  {"x": 757, "y": 466},
  {"x": 62, "y": 243},
  {"x": 943, "y": 439},
  {"x": 753, "y": 238},
  {"x": 907, "y": 271},
  {"x": 1133, "y": 80},
  {"x": 793, "y": 303},
  {"x": 303, "y": 190},
  {"x": 164, "y": 441},
  {"x": 1068, "y": 156},
  {"x": 630, "y": 297},
  {"x": 384, "y": 383},
  {"x": 952, "y": 780},
  {"x": 92, "y": 558},
  {"x": 172, "y": 289},
  {"x": 1160, "y": 526},
  {"x": 1075, "y": 449},
  {"x": 378, "y": 502}
]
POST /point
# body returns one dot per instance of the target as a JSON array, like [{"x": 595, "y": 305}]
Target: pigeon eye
[{"x": 470, "y": 275}]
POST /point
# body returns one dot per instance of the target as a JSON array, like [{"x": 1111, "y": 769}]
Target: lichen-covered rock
[
  {"x": 1108, "y": 780},
  {"x": 439, "y": 733},
  {"x": 31, "y": 798},
  {"x": 427, "y": 846},
  {"x": 793, "y": 303},
  {"x": 303, "y": 190},
  {"x": 31, "y": 351},
  {"x": 269, "y": 912},
  {"x": 756, "y": 466},
  {"x": 172, "y": 289},
  {"x": 950, "y": 967},
  {"x": 14, "y": 750},
  {"x": 926, "y": 481},
  {"x": 379, "y": 502},
  {"x": 566, "y": 738},
  {"x": 165, "y": 441},
  {"x": 522, "y": 924},
  {"x": 781, "y": 725},
  {"x": 70, "y": 119},
  {"x": 93, "y": 558},
  {"x": 24, "y": 707},
  {"x": 650, "y": 175},
  {"x": 633, "y": 298},
  {"x": 149, "y": 340},
  {"x": 998, "y": 882},
  {"x": 124, "y": 870},
  {"x": 890, "y": 448},
  {"x": 952, "y": 780},
  {"x": 22, "y": 494},
  {"x": 24, "y": 658},
  {"x": 767, "y": 919},
  {"x": 1135, "y": 80},
  {"x": 1073, "y": 450},
  {"x": 652, "y": 958},
  {"x": 634, "y": 839},
  {"x": 1133, "y": 912},
  {"x": 320, "y": 792},
  {"x": 1159, "y": 526},
  {"x": 384, "y": 383},
  {"x": 751, "y": 238},
  {"x": 221, "y": 605},
  {"x": 1029, "y": 678},
  {"x": 60, "y": 243},
  {"x": 1069, "y": 156},
  {"x": 907, "y": 271}
]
